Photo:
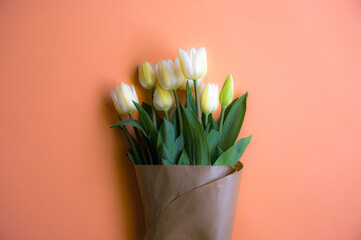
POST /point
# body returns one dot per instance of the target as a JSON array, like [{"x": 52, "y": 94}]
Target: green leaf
[
  {"x": 184, "y": 159},
  {"x": 166, "y": 162},
  {"x": 226, "y": 112},
  {"x": 207, "y": 129},
  {"x": 131, "y": 156},
  {"x": 213, "y": 123},
  {"x": 166, "y": 155},
  {"x": 217, "y": 152},
  {"x": 213, "y": 139},
  {"x": 130, "y": 122},
  {"x": 195, "y": 139},
  {"x": 176, "y": 123},
  {"x": 190, "y": 102},
  {"x": 147, "y": 123},
  {"x": 233, "y": 123},
  {"x": 233, "y": 154},
  {"x": 178, "y": 147},
  {"x": 166, "y": 135},
  {"x": 148, "y": 109}
]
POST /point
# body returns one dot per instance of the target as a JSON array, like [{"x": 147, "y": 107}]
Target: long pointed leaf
[
  {"x": 195, "y": 139},
  {"x": 184, "y": 159},
  {"x": 167, "y": 155},
  {"x": 147, "y": 123},
  {"x": 234, "y": 153},
  {"x": 217, "y": 152},
  {"x": 130, "y": 122},
  {"x": 131, "y": 156},
  {"x": 233, "y": 123},
  {"x": 190, "y": 102},
  {"x": 229, "y": 108},
  {"x": 148, "y": 110},
  {"x": 178, "y": 147},
  {"x": 166, "y": 135},
  {"x": 213, "y": 123},
  {"x": 213, "y": 139}
]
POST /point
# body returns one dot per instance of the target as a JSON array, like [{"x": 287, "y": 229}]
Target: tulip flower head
[
  {"x": 227, "y": 92},
  {"x": 167, "y": 76},
  {"x": 193, "y": 63},
  {"x": 147, "y": 75},
  {"x": 123, "y": 97},
  {"x": 209, "y": 98},
  {"x": 163, "y": 99}
]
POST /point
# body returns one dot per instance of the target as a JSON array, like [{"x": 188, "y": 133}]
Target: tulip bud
[
  {"x": 123, "y": 97},
  {"x": 166, "y": 75},
  {"x": 227, "y": 92},
  {"x": 193, "y": 63},
  {"x": 209, "y": 98},
  {"x": 163, "y": 99},
  {"x": 147, "y": 75}
]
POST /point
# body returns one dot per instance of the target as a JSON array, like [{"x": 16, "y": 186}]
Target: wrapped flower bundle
[{"x": 187, "y": 163}]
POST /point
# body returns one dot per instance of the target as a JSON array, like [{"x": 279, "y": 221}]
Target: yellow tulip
[
  {"x": 163, "y": 99},
  {"x": 147, "y": 75},
  {"x": 209, "y": 98},
  {"x": 167, "y": 76},
  {"x": 227, "y": 92},
  {"x": 193, "y": 63},
  {"x": 123, "y": 97}
]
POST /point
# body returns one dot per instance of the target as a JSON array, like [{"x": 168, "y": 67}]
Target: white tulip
[
  {"x": 163, "y": 99},
  {"x": 193, "y": 63},
  {"x": 167, "y": 76},
  {"x": 147, "y": 75},
  {"x": 209, "y": 98},
  {"x": 123, "y": 97}
]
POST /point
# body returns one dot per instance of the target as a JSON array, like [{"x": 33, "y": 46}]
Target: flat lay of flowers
[{"x": 186, "y": 162}]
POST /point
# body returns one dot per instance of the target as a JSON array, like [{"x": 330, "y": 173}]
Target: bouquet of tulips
[
  {"x": 180, "y": 152},
  {"x": 190, "y": 135}
]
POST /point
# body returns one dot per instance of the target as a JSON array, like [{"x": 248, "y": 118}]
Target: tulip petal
[
  {"x": 135, "y": 97},
  {"x": 115, "y": 101},
  {"x": 181, "y": 80},
  {"x": 192, "y": 53},
  {"x": 163, "y": 99},
  {"x": 200, "y": 63},
  {"x": 185, "y": 63}
]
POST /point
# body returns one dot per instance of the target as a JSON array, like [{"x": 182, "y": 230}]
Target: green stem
[
  {"x": 197, "y": 100},
  {"x": 130, "y": 139},
  {"x": 166, "y": 115},
  {"x": 139, "y": 140},
  {"x": 178, "y": 111},
  {"x": 206, "y": 120},
  {"x": 221, "y": 120},
  {"x": 153, "y": 110}
]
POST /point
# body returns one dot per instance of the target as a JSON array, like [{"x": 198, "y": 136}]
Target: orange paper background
[{"x": 63, "y": 173}]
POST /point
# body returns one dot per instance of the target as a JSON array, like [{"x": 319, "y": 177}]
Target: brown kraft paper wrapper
[{"x": 189, "y": 202}]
